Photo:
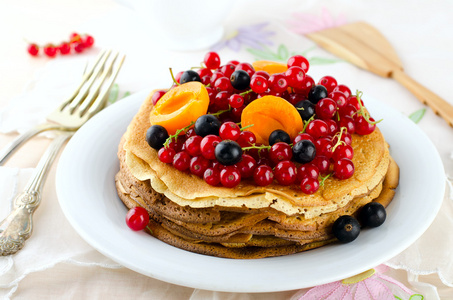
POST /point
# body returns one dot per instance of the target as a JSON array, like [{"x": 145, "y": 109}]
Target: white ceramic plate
[{"x": 87, "y": 195}]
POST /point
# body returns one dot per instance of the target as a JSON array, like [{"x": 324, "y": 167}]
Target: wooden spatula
[{"x": 364, "y": 46}]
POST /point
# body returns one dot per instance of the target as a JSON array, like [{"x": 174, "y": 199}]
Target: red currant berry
[
  {"x": 216, "y": 76},
  {"x": 258, "y": 84},
  {"x": 295, "y": 76},
  {"x": 237, "y": 112},
  {"x": 323, "y": 164},
  {"x": 344, "y": 89},
  {"x": 246, "y": 139},
  {"x": 333, "y": 127},
  {"x": 221, "y": 100},
  {"x": 234, "y": 62},
  {"x": 343, "y": 151},
  {"x": 223, "y": 84},
  {"x": 176, "y": 144},
  {"x": 33, "y": 49},
  {"x": 246, "y": 67},
  {"x": 280, "y": 151},
  {"x": 347, "y": 110},
  {"x": 88, "y": 41},
  {"x": 303, "y": 136},
  {"x": 263, "y": 175},
  {"x": 278, "y": 83},
  {"x": 166, "y": 155},
  {"x": 285, "y": 172},
  {"x": 212, "y": 176},
  {"x": 317, "y": 128},
  {"x": 307, "y": 84},
  {"x": 208, "y": 144},
  {"x": 64, "y": 48},
  {"x": 229, "y": 131},
  {"x": 228, "y": 69},
  {"x": 192, "y": 145},
  {"x": 230, "y": 176},
  {"x": 309, "y": 185},
  {"x": 178, "y": 76},
  {"x": 212, "y": 60},
  {"x": 324, "y": 147},
  {"x": 339, "y": 98},
  {"x": 363, "y": 127},
  {"x": 204, "y": 72},
  {"x": 137, "y": 218},
  {"x": 157, "y": 95},
  {"x": 246, "y": 166},
  {"x": 190, "y": 132},
  {"x": 343, "y": 168},
  {"x": 326, "y": 108},
  {"x": 307, "y": 170},
  {"x": 262, "y": 73},
  {"x": 236, "y": 100},
  {"x": 353, "y": 100},
  {"x": 198, "y": 165},
  {"x": 294, "y": 98},
  {"x": 79, "y": 47},
  {"x": 299, "y": 61},
  {"x": 328, "y": 82},
  {"x": 181, "y": 161},
  {"x": 50, "y": 50},
  {"x": 347, "y": 122}
]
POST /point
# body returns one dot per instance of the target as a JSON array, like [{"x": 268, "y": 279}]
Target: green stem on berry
[
  {"x": 323, "y": 179},
  {"x": 173, "y": 77},
  {"x": 245, "y": 127},
  {"x": 246, "y": 92},
  {"x": 254, "y": 146},
  {"x": 218, "y": 113},
  {"x": 306, "y": 123},
  {"x": 363, "y": 111},
  {"x": 175, "y": 136},
  {"x": 339, "y": 141}
]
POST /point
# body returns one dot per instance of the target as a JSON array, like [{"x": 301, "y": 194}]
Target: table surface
[{"x": 52, "y": 20}]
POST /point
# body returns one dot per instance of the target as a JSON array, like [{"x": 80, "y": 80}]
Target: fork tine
[
  {"x": 86, "y": 74},
  {"x": 86, "y": 87},
  {"x": 96, "y": 87},
  {"x": 101, "y": 98}
]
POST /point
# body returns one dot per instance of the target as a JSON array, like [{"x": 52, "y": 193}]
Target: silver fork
[
  {"x": 87, "y": 99},
  {"x": 73, "y": 113}
]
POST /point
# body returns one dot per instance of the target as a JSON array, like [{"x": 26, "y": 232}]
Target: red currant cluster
[
  {"x": 216, "y": 149},
  {"x": 76, "y": 43}
]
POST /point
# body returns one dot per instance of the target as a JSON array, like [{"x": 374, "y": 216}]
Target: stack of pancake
[{"x": 247, "y": 221}]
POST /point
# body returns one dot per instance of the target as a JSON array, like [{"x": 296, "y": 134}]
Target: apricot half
[
  {"x": 270, "y": 113},
  {"x": 270, "y": 67},
  {"x": 180, "y": 106}
]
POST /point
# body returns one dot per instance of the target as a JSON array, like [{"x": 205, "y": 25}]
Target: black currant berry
[
  {"x": 207, "y": 124},
  {"x": 279, "y": 136},
  {"x": 240, "y": 80},
  {"x": 372, "y": 214},
  {"x": 316, "y": 93},
  {"x": 156, "y": 136},
  {"x": 346, "y": 229},
  {"x": 304, "y": 151},
  {"x": 306, "y": 109},
  {"x": 189, "y": 75},
  {"x": 228, "y": 152}
]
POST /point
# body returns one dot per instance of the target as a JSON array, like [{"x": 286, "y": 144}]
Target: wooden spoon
[{"x": 365, "y": 47}]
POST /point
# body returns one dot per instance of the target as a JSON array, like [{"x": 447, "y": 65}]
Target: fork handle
[
  {"x": 9, "y": 149},
  {"x": 18, "y": 225}
]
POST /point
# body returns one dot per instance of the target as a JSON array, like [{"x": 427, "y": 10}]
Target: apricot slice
[
  {"x": 270, "y": 113},
  {"x": 270, "y": 67},
  {"x": 180, "y": 106}
]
